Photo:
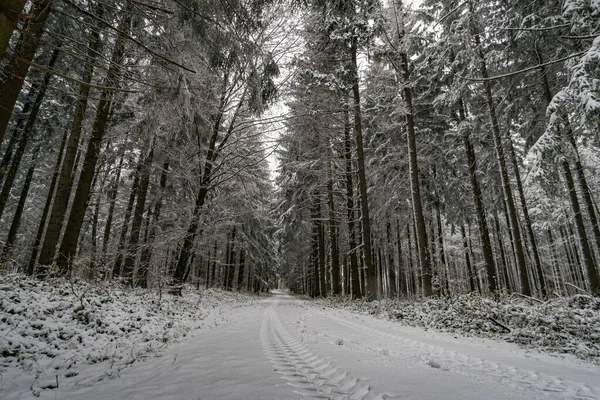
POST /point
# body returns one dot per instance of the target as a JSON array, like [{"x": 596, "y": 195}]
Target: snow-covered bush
[
  {"x": 49, "y": 328},
  {"x": 563, "y": 325}
]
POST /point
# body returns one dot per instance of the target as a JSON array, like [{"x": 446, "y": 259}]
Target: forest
[{"x": 363, "y": 148}]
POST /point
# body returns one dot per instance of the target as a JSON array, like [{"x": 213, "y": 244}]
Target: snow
[
  {"x": 565, "y": 325},
  {"x": 52, "y": 331},
  {"x": 270, "y": 347}
]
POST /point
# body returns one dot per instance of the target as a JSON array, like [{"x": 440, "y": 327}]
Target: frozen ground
[{"x": 281, "y": 347}]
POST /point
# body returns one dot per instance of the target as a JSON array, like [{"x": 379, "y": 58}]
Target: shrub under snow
[
  {"x": 49, "y": 328},
  {"x": 564, "y": 325}
]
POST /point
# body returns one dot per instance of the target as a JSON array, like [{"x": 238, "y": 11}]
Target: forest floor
[{"x": 220, "y": 345}]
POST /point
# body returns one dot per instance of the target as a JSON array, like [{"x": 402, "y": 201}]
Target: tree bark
[
  {"x": 467, "y": 259},
  {"x": 82, "y": 192},
  {"x": 114, "y": 190},
  {"x": 586, "y": 250},
  {"x": 25, "y": 134},
  {"x": 333, "y": 239},
  {"x": 138, "y": 214},
  {"x": 14, "y": 73},
  {"x": 321, "y": 246},
  {"x": 356, "y": 292},
  {"x": 147, "y": 250},
  {"x": 10, "y": 13},
  {"x": 117, "y": 266},
  {"x": 44, "y": 216},
  {"x": 16, "y": 221},
  {"x": 64, "y": 186},
  {"x": 484, "y": 232},
  {"x": 415, "y": 186},
  {"x": 500, "y": 157},
  {"x": 371, "y": 287}
]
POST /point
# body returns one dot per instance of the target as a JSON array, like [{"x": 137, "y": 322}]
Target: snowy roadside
[
  {"x": 569, "y": 325},
  {"x": 57, "y": 332}
]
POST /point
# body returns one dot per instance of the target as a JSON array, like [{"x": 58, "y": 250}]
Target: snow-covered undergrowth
[
  {"x": 568, "y": 325},
  {"x": 51, "y": 329}
]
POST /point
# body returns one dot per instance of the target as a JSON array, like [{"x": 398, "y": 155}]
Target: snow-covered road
[{"x": 287, "y": 348}]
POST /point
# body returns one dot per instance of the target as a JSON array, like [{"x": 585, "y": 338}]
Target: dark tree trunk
[
  {"x": 356, "y": 292},
  {"x": 9, "y": 17},
  {"x": 94, "y": 249},
  {"x": 505, "y": 264},
  {"x": 127, "y": 217},
  {"x": 333, "y": 241},
  {"x": 371, "y": 287},
  {"x": 315, "y": 287},
  {"x": 44, "y": 216},
  {"x": 231, "y": 259},
  {"x": 241, "y": 269},
  {"x": 527, "y": 219},
  {"x": 401, "y": 270},
  {"x": 500, "y": 157},
  {"x": 484, "y": 233},
  {"x": 415, "y": 186},
  {"x": 64, "y": 184},
  {"x": 468, "y": 258},
  {"x": 585, "y": 190},
  {"x": 68, "y": 246},
  {"x": 138, "y": 214},
  {"x": 14, "y": 73},
  {"x": 586, "y": 250},
  {"x": 114, "y": 190},
  {"x": 24, "y": 133},
  {"x": 147, "y": 250},
  {"x": 321, "y": 253},
  {"x": 16, "y": 221}
]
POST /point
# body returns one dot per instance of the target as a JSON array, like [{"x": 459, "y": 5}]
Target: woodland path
[{"x": 286, "y": 348}]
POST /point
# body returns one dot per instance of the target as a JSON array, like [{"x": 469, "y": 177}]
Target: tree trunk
[
  {"x": 16, "y": 221},
  {"x": 315, "y": 287},
  {"x": 114, "y": 190},
  {"x": 64, "y": 186},
  {"x": 484, "y": 232},
  {"x": 44, "y": 216},
  {"x": 126, "y": 218},
  {"x": 585, "y": 189},
  {"x": 82, "y": 192},
  {"x": 356, "y": 293},
  {"x": 333, "y": 240},
  {"x": 401, "y": 280},
  {"x": 321, "y": 242},
  {"x": 230, "y": 260},
  {"x": 415, "y": 186},
  {"x": 505, "y": 263},
  {"x": 138, "y": 214},
  {"x": 468, "y": 259},
  {"x": 94, "y": 247},
  {"x": 528, "y": 226},
  {"x": 24, "y": 134},
  {"x": 508, "y": 195},
  {"x": 371, "y": 288},
  {"x": 586, "y": 251},
  {"x": 147, "y": 250},
  {"x": 14, "y": 73},
  {"x": 10, "y": 12}
]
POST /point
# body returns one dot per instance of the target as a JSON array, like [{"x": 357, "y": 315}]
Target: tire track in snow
[
  {"x": 507, "y": 373},
  {"x": 310, "y": 375}
]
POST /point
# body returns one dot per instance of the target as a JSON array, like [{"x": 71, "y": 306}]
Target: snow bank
[
  {"x": 562, "y": 325},
  {"x": 51, "y": 329}
]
